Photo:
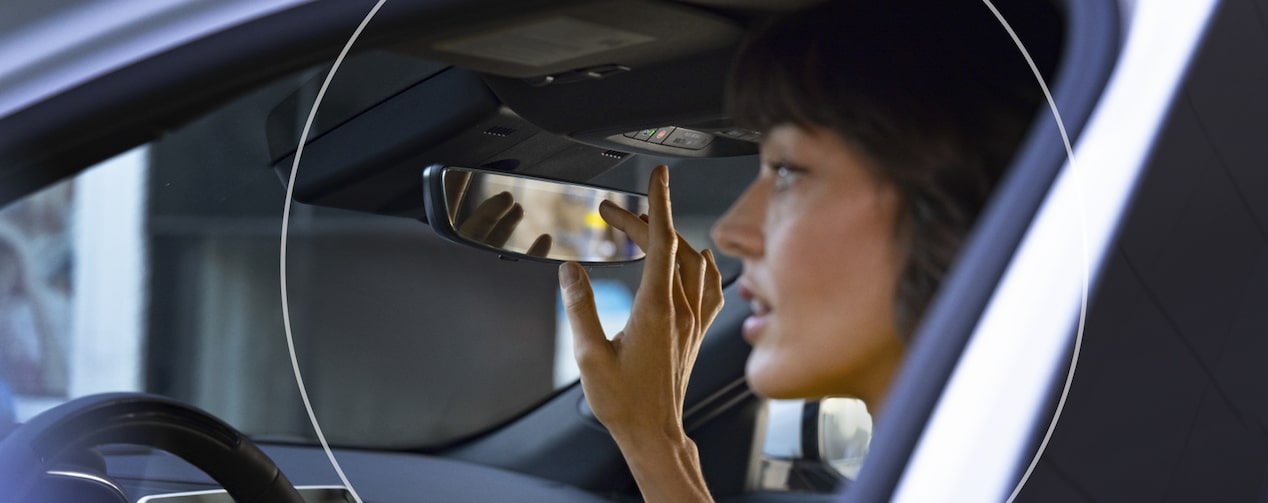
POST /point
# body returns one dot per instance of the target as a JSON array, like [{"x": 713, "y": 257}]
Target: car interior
[{"x": 442, "y": 372}]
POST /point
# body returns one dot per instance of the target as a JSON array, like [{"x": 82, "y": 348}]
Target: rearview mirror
[{"x": 518, "y": 216}]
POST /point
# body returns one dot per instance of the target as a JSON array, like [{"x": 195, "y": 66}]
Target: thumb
[{"x": 588, "y": 340}]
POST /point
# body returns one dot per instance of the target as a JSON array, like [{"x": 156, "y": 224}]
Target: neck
[{"x": 873, "y": 389}]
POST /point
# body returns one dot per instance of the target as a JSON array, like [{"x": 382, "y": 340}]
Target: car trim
[
  {"x": 95, "y": 479},
  {"x": 990, "y": 407}
]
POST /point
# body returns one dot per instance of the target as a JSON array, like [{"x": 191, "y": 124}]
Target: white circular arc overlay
[{"x": 286, "y": 219}]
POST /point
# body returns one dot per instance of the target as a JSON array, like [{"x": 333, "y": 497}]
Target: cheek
[
  {"x": 834, "y": 275},
  {"x": 835, "y": 267}
]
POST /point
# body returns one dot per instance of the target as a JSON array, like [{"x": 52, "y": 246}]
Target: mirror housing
[
  {"x": 813, "y": 445},
  {"x": 523, "y": 217}
]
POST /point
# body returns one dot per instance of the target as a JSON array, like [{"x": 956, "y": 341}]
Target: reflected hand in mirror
[
  {"x": 523, "y": 216},
  {"x": 495, "y": 219}
]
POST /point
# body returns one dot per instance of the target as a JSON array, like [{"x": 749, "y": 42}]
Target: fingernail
[
  {"x": 606, "y": 208},
  {"x": 664, "y": 175},
  {"x": 568, "y": 274}
]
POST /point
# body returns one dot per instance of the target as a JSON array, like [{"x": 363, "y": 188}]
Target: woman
[{"x": 885, "y": 125}]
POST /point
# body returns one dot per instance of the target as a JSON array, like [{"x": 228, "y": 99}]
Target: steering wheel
[{"x": 70, "y": 429}]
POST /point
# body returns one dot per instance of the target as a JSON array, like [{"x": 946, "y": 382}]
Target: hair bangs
[{"x": 767, "y": 88}]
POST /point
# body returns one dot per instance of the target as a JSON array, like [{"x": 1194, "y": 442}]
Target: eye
[{"x": 786, "y": 175}]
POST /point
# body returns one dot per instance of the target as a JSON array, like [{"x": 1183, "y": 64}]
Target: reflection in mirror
[
  {"x": 520, "y": 216},
  {"x": 845, "y": 433}
]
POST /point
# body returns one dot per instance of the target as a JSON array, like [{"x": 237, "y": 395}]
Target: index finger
[
  {"x": 637, "y": 229},
  {"x": 662, "y": 241},
  {"x": 621, "y": 219}
]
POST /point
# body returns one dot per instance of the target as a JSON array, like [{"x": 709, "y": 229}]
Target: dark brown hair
[{"x": 934, "y": 92}]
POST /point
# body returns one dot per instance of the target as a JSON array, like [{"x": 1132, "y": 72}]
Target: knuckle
[
  {"x": 713, "y": 306},
  {"x": 589, "y": 357},
  {"x": 717, "y": 300},
  {"x": 712, "y": 272},
  {"x": 671, "y": 242}
]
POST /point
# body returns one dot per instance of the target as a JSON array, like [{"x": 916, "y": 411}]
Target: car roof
[{"x": 144, "y": 76}]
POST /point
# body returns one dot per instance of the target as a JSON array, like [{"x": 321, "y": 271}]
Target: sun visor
[
  {"x": 671, "y": 109},
  {"x": 589, "y": 40},
  {"x": 371, "y": 160}
]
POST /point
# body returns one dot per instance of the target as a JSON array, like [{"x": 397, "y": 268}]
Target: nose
[{"x": 739, "y": 232}]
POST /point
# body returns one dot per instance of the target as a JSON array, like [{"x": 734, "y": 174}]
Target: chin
[
  {"x": 782, "y": 392},
  {"x": 771, "y": 383},
  {"x": 767, "y": 379}
]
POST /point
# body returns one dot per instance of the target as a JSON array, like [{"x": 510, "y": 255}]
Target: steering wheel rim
[{"x": 209, "y": 444}]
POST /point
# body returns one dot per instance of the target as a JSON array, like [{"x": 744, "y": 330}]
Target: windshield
[{"x": 158, "y": 271}]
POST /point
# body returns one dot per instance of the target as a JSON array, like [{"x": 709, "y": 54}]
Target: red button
[{"x": 662, "y": 134}]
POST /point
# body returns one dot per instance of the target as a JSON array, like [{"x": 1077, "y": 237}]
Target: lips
[{"x": 755, "y": 324}]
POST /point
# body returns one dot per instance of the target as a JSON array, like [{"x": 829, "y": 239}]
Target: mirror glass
[
  {"x": 526, "y": 217},
  {"x": 845, "y": 433}
]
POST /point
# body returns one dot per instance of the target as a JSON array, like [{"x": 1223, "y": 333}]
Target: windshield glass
[{"x": 158, "y": 271}]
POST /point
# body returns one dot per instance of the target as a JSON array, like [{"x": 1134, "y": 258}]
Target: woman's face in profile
[{"x": 816, "y": 232}]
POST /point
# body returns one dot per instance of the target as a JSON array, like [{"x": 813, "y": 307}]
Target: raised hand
[{"x": 635, "y": 382}]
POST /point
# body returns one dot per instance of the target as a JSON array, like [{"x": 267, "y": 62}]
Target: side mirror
[
  {"x": 518, "y": 216},
  {"x": 813, "y": 445}
]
